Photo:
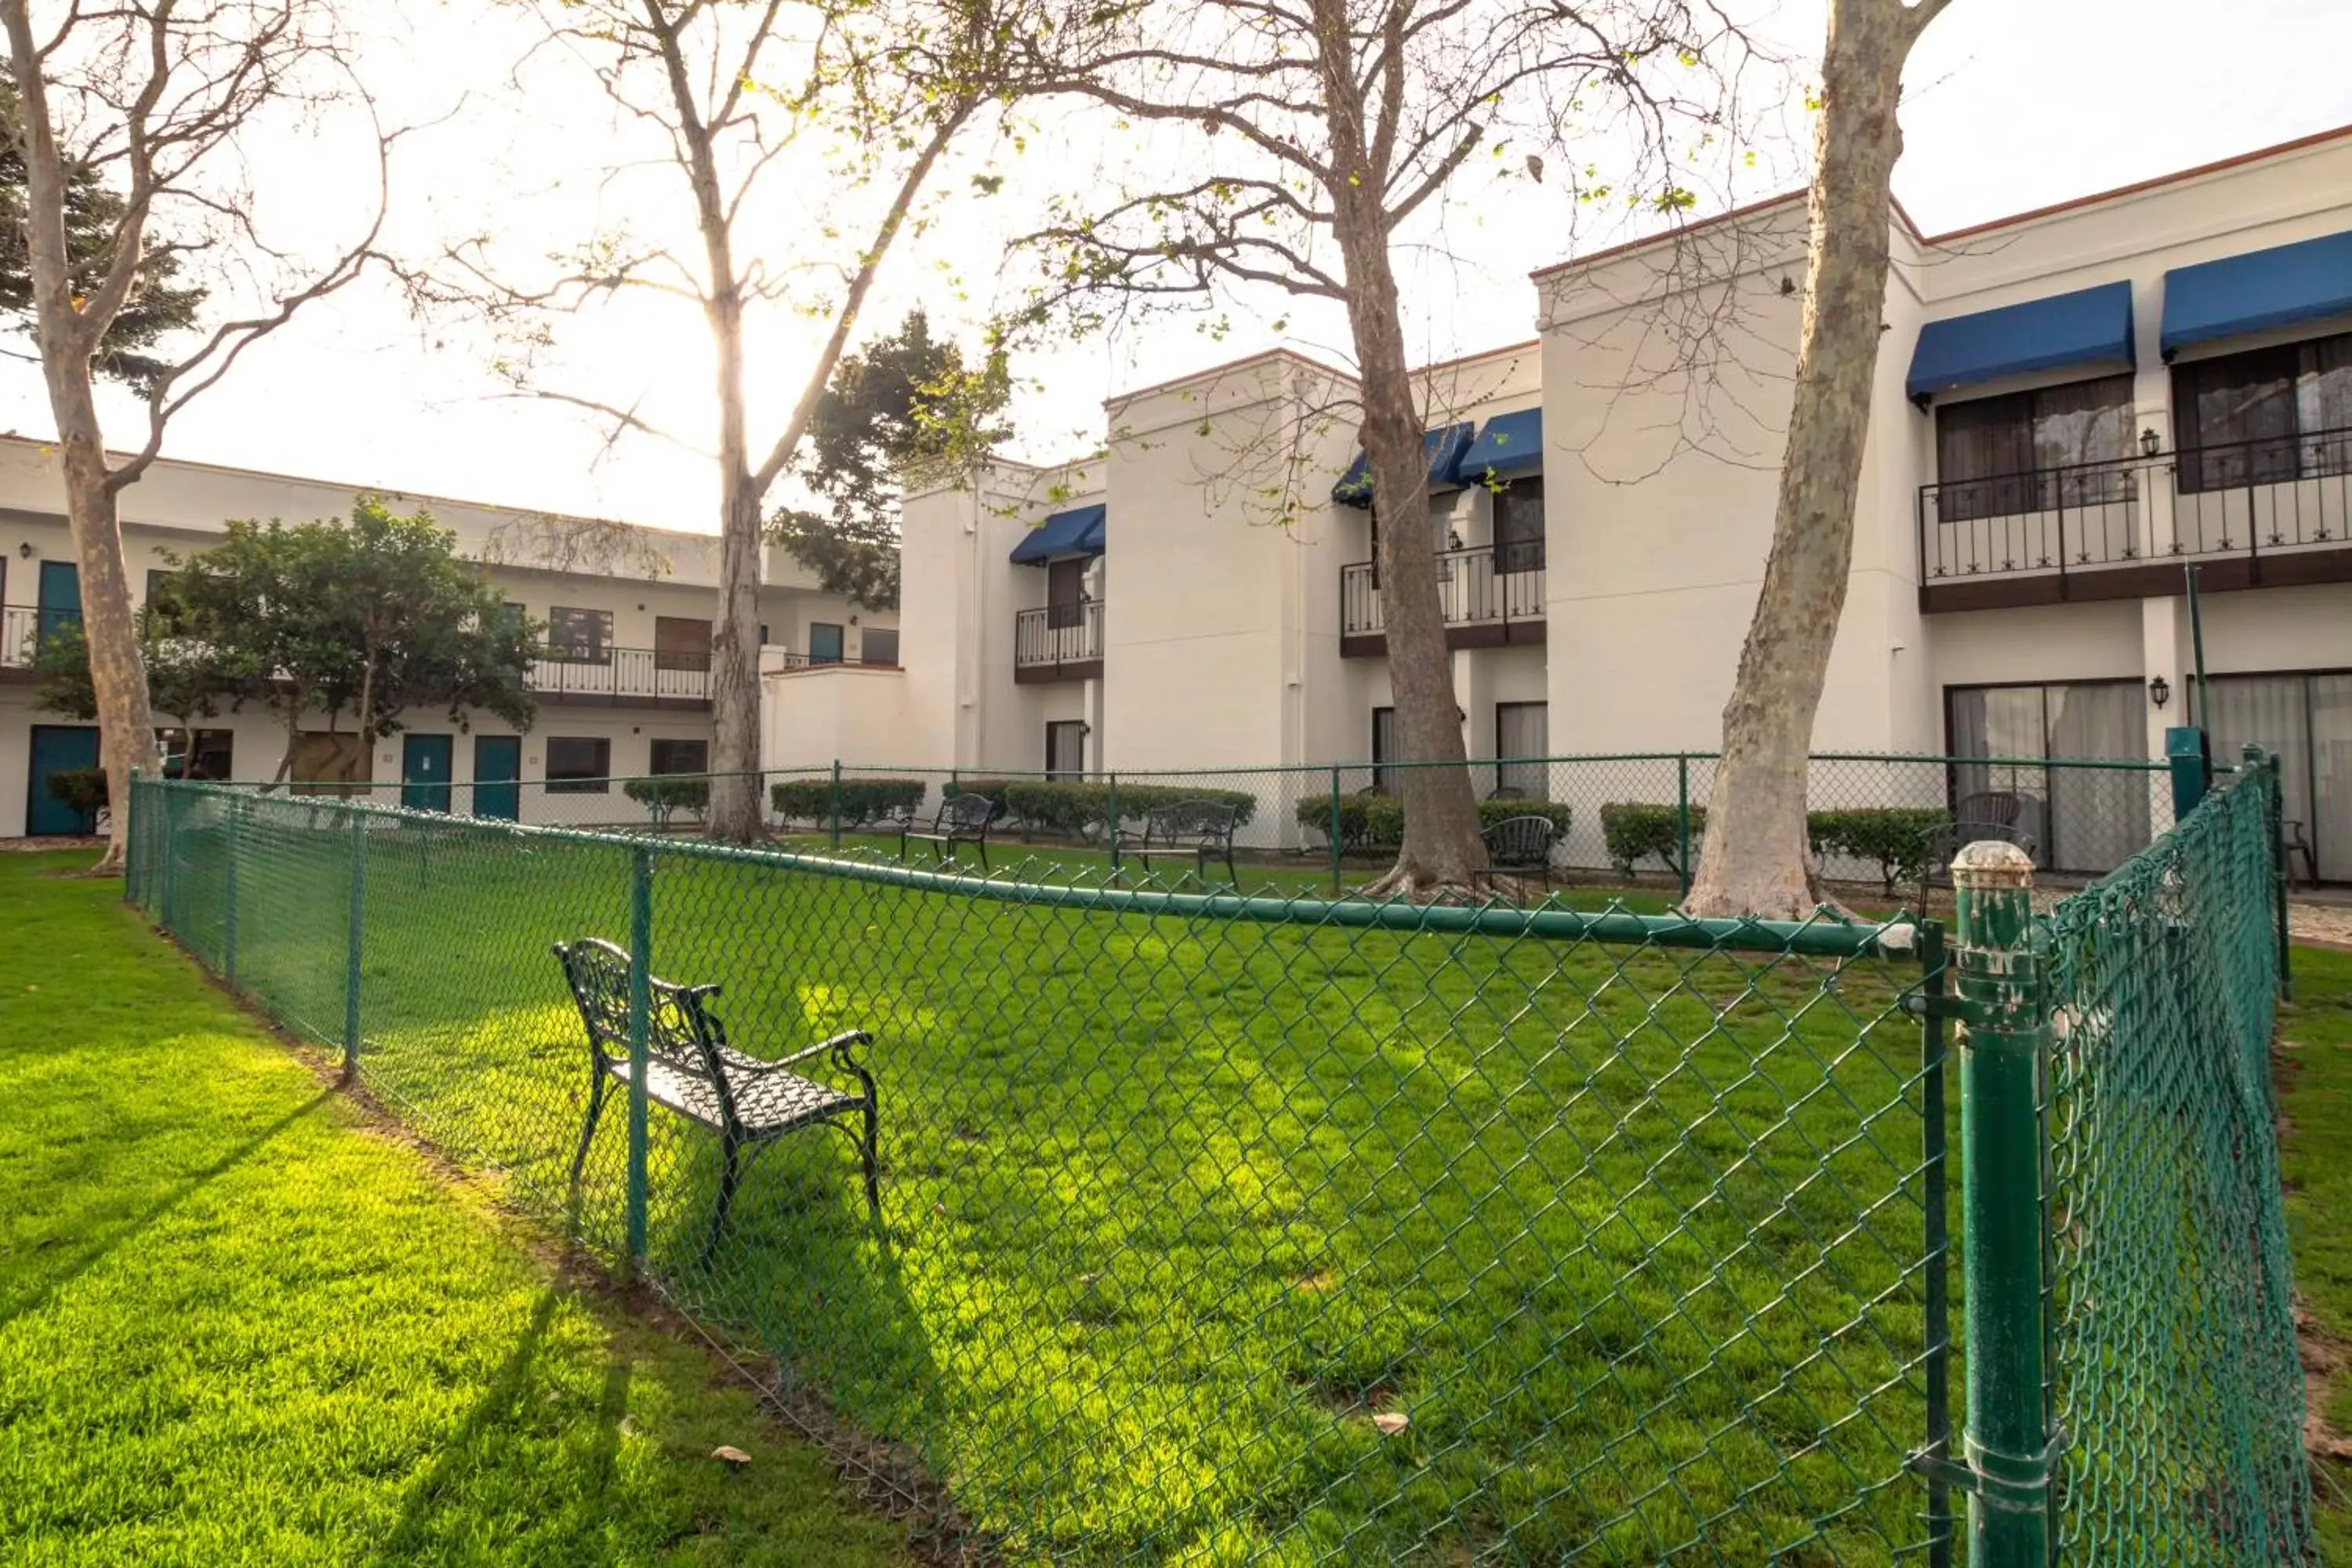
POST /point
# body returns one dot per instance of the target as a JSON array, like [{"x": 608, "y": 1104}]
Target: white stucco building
[
  {"x": 623, "y": 689},
  {"x": 2073, "y": 405}
]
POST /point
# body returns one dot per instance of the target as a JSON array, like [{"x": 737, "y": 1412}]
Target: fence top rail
[
  {"x": 1907, "y": 759},
  {"x": 1824, "y": 936}
]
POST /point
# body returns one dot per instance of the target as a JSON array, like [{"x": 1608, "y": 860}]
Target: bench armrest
[{"x": 839, "y": 1045}]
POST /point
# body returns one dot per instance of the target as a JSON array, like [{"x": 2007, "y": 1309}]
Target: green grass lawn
[
  {"x": 2314, "y": 1086},
  {"x": 1180, "y": 1216},
  {"x": 238, "y": 1326}
]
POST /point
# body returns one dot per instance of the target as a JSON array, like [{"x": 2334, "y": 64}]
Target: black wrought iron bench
[
  {"x": 691, "y": 1070},
  {"x": 961, "y": 819},
  {"x": 1195, "y": 830}
]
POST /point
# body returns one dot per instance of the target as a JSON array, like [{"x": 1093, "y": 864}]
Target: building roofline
[
  {"x": 1280, "y": 352},
  {"x": 1522, "y": 346},
  {"x": 426, "y": 498},
  {"x": 2315, "y": 139},
  {"x": 2093, "y": 199}
]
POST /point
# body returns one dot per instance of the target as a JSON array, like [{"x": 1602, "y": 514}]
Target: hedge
[
  {"x": 1371, "y": 820},
  {"x": 862, "y": 799},
  {"x": 1895, "y": 838},
  {"x": 1633, "y": 832},
  {"x": 1059, "y": 805},
  {"x": 663, "y": 796}
]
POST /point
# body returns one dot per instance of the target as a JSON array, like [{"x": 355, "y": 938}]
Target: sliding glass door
[
  {"x": 2307, "y": 721},
  {"x": 2084, "y": 820}
]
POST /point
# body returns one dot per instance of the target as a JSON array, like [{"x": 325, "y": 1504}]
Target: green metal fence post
[
  {"x": 228, "y": 895},
  {"x": 134, "y": 856},
  {"x": 1335, "y": 831},
  {"x": 2254, "y": 759},
  {"x": 1935, "y": 1039},
  {"x": 641, "y": 961},
  {"x": 2007, "y": 1444},
  {"x": 833, "y": 803},
  {"x": 1681, "y": 818},
  {"x": 2188, "y": 753},
  {"x": 354, "y": 943},
  {"x": 1110, "y": 822}
]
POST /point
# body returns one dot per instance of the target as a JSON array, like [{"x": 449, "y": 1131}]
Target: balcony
[
  {"x": 621, "y": 677},
  {"x": 21, "y": 628},
  {"x": 2250, "y": 514},
  {"x": 1486, "y": 604},
  {"x": 1060, "y": 642}
]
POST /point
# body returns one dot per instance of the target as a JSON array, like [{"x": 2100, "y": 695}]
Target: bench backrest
[
  {"x": 1191, "y": 823},
  {"x": 680, "y": 1031},
  {"x": 1521, "y": 841},
  {"x": 964, "y": 813}
]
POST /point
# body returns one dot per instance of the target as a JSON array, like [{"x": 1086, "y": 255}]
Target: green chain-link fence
[{"x": 1215, "y": 1228}]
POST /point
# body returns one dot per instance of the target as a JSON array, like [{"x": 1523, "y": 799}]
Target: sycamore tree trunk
[
  {"x": 1756, "y": 860},
  {"x": 1441, "y": 845},
  {"x": 126, "y": 726},
  {"x": 735, "y": 664}
]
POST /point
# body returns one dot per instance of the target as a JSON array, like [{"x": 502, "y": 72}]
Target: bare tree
[
  {"x": 1328, "y": 132},
  {"x": 161, "y": 104},
  {"x": 865, "y": 99},
  {"x": 1755, "y": 860}
]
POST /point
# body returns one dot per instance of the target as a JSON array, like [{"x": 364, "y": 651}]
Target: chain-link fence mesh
[
  {"x": 1212, "y": 1230},
  {"x": 1221, "y": 1221},
  {"x": 2178, "y": 1388}
]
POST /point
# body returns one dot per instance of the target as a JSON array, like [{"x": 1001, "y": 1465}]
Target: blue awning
[
  {"x": 2258, "y": 292},
  {"x": 2089, "y": 328},
  {"x": 1510, "y": 443},
  {"x": 1078, "y": 531},
  {"x": 1444, "y": 446}
]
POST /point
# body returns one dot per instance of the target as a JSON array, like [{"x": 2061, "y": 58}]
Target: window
[
  {"x": 681, "y": 757},
  {"x": 1383, "y": 747},
  {"x": 578, "y": 765},
  {"x": 578, "y": 636},
  {"x": 2306, "y": 719},
  {"x": 205, "y": 754},
  {"x": 1066, "y": 749},
  {"x": 825, "y": 643},
  {"x": 1521, "y": 734},
  {"x": 2263, "y": 417},
  {"x": 681, "y": 643},
  {"x": 880, "y": 646},
  {"x": 514, "y": 613},
  {"x": 1519, "y": 527},
  {"x": 2080, "y": 819},
  {"x": 1999, "y": 457}
]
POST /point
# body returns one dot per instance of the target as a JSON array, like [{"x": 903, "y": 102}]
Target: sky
[{"x": 2009, "y": 105}]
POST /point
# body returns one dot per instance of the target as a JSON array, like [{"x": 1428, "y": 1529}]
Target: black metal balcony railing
[
  {"x": 1058, "y": 635},
  {"x": 1474, "y": 587},
  {"x": 21, "y": 626},
  {"x": 621, "y": 674},
  {"x": 2244, "y": 498}
]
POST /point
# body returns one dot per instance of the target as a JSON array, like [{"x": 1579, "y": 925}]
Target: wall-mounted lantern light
[
  {"x": 2159, "y": 691},
  {"x": 2150, "y": 441}
]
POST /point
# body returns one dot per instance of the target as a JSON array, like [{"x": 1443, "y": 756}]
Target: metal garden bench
[
  {"x": 961, "y": 819},
  {"x": 693, "y": 1071},
  {"x": 1195, "y": 830}
]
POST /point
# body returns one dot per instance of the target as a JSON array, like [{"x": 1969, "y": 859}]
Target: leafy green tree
[
  {"x": 361, "y": 620},
  {"x": 905, "y": 407}
]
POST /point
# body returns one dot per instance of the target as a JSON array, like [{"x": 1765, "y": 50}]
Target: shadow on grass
[{"x": 42, "y": 1293}]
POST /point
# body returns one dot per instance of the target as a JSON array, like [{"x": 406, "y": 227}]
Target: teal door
[
  {"x": 498, "y": 764},
  {"x": 424, "y": 772},
  {"x": 58, "y": 748},
  {"x": 60, "y": 595}
]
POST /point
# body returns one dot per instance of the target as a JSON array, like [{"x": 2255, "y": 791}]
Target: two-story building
[
  {"x": 623, "y": 685},
  {"x": 2074, "y": 408}
]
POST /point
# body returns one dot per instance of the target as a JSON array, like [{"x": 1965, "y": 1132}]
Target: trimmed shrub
[
  {"x": 79, "y": 790},
  {"x": 863, "y": 799},
  {"x": 666, "y": 794},
  {"x": 1634, "y": 831},
  {"x": 1373, "y": 821},
  {"x": 1895, "y": 837},
  {"x": 1081, "y": 809}
]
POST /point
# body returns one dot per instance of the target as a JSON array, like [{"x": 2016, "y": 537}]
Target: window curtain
[
  {"x": 2329, "y": 826},
  {"x": 1522, "y": 731},
  {"x": 2270, "y": 711},
  {"x": 2098, "y": 817},
  {"x": 2324, "y": 406},
  {"x": 2000, "y": 721},
  {"x": 1519, "y": 527},
  {"x": 1984, "y": 455},
  {"x": 1383, "y": 749},
  {"x": 2084, "y": 422},
  {"x": 2236, "y": 418}
]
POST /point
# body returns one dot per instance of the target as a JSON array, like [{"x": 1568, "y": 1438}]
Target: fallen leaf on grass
[
  {"x": 1388, "y": 1423},
  {"x": 731, "y": 1454}
]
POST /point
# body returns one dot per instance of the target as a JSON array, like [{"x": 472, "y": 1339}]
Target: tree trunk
[
  {"x": 735, "y": 814},
  {"x": 126, "y": 726},
  {"x": 1756, "y": 860},
  {"x": 1441, "y": 845}
]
